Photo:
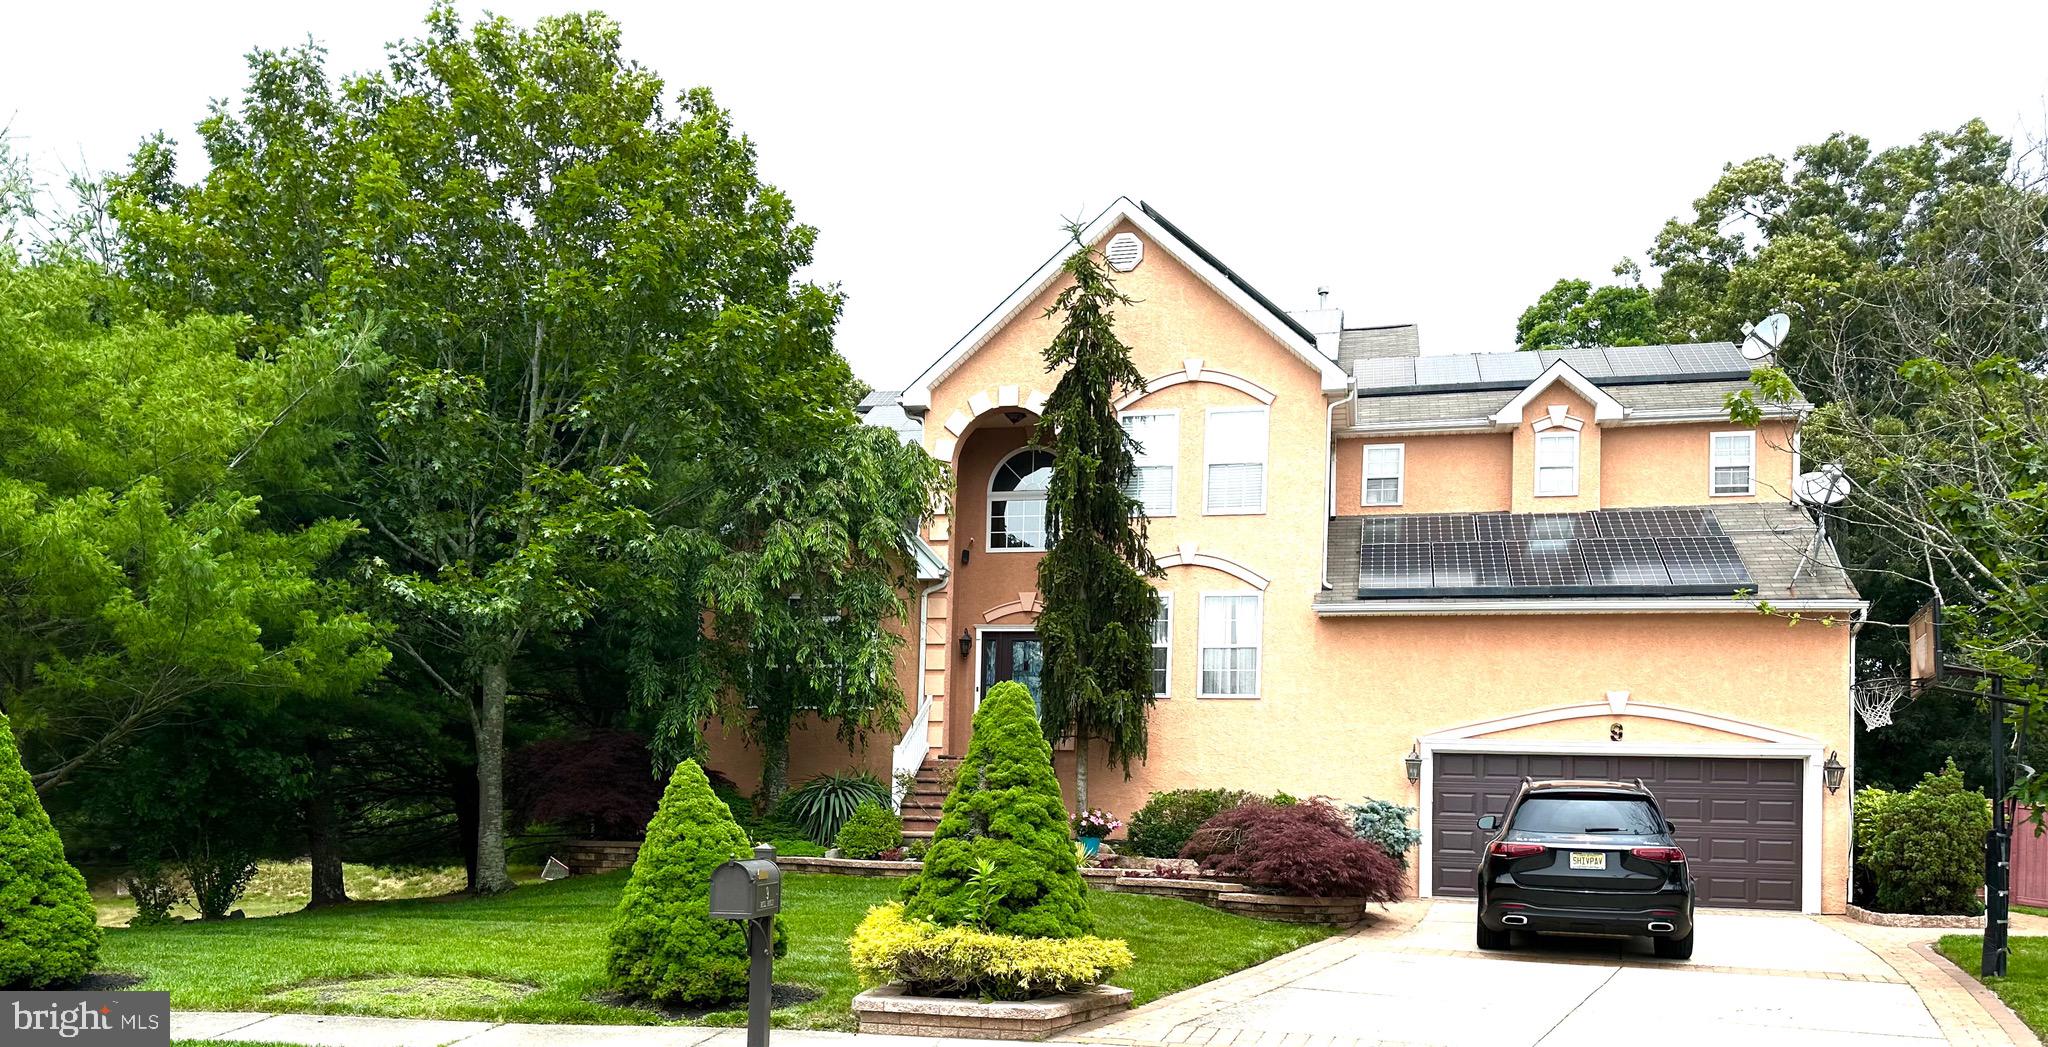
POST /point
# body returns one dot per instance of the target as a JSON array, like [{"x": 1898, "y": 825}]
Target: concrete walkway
[{"x": 1414, "y": 977}]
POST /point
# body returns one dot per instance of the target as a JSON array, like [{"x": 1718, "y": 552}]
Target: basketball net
[{"x": 1876, "y": 698}]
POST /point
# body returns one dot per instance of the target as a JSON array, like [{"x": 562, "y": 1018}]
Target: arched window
[{"x": 1016, "y": 500}]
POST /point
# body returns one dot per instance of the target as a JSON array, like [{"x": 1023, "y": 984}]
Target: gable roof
[
  {"x": 1220, "y": 278},
  {"x": 1605, "y": 407}
]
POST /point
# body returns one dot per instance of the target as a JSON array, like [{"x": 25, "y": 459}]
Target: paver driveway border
[{"x": 1962, "y": 1009}]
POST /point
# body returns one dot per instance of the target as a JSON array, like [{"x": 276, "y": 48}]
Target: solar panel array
[
  {"x": 1646, "y": 552},
  {"x": 1604, "y": 366}
]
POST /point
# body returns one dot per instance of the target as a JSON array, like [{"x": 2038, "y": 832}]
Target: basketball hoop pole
[{"x": 1998, "y": 841}]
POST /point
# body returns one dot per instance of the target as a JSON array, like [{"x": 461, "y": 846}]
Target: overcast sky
[{"x": 1440, "y": 164}]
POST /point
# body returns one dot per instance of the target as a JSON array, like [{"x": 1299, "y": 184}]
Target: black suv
[{"x": 1585, "y": 858}]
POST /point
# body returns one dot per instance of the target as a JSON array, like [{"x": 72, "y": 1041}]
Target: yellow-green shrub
[{"x": 960, "y": 961}]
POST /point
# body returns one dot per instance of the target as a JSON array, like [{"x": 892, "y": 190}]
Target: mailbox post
[{"x": 751, "y": 891}]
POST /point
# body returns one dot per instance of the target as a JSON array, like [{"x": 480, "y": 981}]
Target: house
[{"x": 1412, "y": 577}]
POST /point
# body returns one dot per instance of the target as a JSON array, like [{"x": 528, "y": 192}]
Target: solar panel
[
  {"x": 1592, "y": 362},
  {"x": 1509, "y": 367},
  {"x": 1393, "y": 373},
  {"x": 1641, "y": 361},
  {"x": 1462, "y": 369},
  {"x": 1635, "y": 552}
]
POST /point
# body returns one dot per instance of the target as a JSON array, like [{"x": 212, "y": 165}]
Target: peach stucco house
[{"x": 1502, "y": 564}]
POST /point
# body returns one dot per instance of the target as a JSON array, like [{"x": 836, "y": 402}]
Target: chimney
[{"x": 1325, "y": 321}]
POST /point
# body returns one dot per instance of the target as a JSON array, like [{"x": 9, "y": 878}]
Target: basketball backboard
[{"x": 1923, "y": 637}]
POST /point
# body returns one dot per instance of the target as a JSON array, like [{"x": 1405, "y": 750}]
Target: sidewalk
[{"x": 341, "y": 1030}]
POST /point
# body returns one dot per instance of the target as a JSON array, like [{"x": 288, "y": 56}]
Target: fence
[{"x": 2029, "y": 862}]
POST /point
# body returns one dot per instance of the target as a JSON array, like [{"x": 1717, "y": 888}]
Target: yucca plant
[{"x": 821, "y": 806}]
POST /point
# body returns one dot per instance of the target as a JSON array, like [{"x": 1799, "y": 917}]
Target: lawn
[
  {"x": 2025, "y": 986},
  {"x": 540, "y": 950}
]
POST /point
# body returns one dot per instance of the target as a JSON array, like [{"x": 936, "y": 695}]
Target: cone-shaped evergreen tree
[
  {"x": 664, "y": 945},
  {"x": 1005, "y": 809},
  {"x": 49, "y": 933},
  {"x": 1095, "y": 579}
]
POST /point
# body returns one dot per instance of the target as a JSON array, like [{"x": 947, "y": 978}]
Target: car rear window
[{"x": 1619, "y": 815}]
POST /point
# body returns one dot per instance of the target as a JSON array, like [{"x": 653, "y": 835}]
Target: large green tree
[
  {"x": 1099, "y": 603},
  {"x": 1574, "y": 314},
  {"x": 590, "y": 302}
]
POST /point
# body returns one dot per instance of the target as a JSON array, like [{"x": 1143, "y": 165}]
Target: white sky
[{"x": 1439, "y": 165}]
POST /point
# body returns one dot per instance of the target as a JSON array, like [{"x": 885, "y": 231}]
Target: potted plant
[{"x": 1091, "y": 825}]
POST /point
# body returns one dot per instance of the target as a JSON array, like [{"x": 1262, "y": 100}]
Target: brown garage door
[{"x": 1738, "y": 820}]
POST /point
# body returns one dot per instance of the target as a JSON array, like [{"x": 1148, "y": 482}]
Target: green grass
[
  {"x": 282, "y": 887},
  {"x": 2025, "y": 986},
  {"x": 551, "y": 937},
  {"x": 2030, "y": 910}
]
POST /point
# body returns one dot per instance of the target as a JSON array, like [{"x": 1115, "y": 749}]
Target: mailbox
[{"x": 746, "y": 890}]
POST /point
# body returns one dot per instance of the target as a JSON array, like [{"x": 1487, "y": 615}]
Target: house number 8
[{"x": 1614, "y": 732}]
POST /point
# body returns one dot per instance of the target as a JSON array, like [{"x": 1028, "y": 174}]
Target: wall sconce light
[
  {"x": 1831, "y": 772},
  {"x": 966, "y": 642},
  {"x": 1413, "y": 761},
  {"x": 966, "y": 548}
]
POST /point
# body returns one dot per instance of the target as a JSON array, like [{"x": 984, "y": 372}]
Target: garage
[{"x": 1738, "y": 819}]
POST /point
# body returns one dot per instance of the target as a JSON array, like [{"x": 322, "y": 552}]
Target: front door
[{"x": 1011, "y": 656}]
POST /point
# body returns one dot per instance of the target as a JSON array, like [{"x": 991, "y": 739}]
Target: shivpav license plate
[{"x": 1589, "y": 859}]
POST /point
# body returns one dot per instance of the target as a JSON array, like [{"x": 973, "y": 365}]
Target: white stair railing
[{"x": 910, "y": 752}]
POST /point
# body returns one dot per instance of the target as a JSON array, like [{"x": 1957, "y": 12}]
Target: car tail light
[
  {"x": 1503, "y": 849},
  {"x": 1659, "y": 854}
]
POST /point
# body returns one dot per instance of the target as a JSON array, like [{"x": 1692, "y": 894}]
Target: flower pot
[{"x": 1090, "y": 845}]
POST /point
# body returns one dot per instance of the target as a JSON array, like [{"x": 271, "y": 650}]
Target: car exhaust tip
[
  {"x": 1659, "y": 927},
  {"x": 1514, "y": 921}
]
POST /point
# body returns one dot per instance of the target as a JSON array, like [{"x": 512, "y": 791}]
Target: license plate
[{"x": 1589, "y": 859}]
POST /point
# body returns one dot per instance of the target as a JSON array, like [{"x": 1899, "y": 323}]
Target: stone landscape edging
[
  {"x": 889, "y": 1010},
  {"x": 1901, "y": 919}
]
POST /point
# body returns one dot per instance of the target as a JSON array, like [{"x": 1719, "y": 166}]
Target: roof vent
[{"x": 1124, "y": 252}]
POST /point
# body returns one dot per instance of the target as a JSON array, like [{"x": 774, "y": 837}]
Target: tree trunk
[
  {"x": 1080, "y": 773},
  {"x": 323, "y": 833},
  {"x": 774, "y": 771},
  {"x": 491, "y": 877}
]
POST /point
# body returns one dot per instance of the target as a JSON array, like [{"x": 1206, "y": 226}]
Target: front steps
[{"x": 921, "y": 805}]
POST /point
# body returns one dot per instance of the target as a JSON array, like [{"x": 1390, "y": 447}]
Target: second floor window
[
  {"x": 1162, "y": 646},
  {"x": 1734, "y": 463},
  {"x": 1157, "y": 434},
  {"x": 1384, "y": 464},
  {"x": 1234, "y": 460},
  {"x": 1557, "y": 464},
  {"x": 1016, "y": 501},
  {"x": 1230, "y": 645}
]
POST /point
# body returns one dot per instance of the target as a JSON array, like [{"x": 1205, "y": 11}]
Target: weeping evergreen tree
[{"x": 1096, "y": 625}]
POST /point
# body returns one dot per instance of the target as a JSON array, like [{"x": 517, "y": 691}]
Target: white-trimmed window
[
  {"x": 1016, "y": 501},
  {"x": 1385, "y": 465},
  {"x": 1230, "y": 645},
  {"x": 1162, "y": 646},
  {"x": 1234, "y": 460},
  {"x": 1557, "y": 464},
  {"x": 1157, "y": 434},
  {"x": 1734, "y": 466}
]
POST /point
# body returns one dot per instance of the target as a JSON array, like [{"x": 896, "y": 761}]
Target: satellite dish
[
  {"x": 1763, "y": 338},
  {"x": 1828, "y": 485}
]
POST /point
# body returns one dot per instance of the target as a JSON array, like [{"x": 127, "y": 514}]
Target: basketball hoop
[{"x": 1876, "y": 698}]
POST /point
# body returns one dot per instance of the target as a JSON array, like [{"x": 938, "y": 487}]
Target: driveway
[{"x": 1416, "y": 978}]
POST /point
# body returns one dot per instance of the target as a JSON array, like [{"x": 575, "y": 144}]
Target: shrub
[
  {"x": 1005, "y": 811},
  {"x": 962, "y": 961},
  {"x": 1926, "y": 846},
  {"x": 870, "y": 831},
  {"x": 822, "y": 805},
  {"x": 601, "y": 785},
  {"x": 1869, "y": 802},
  {"x": 1162, "y": 827},
  {"x": 915, "y": 850},
  {"x": 1386, "y": 824},
  {"x": 49, "y": 932},
  {"x": 155, "y": 892},
  {"x": 663, "y": 944},
  {"x": 1302, "y": 848},
  {"x": 218, "y": 875}
]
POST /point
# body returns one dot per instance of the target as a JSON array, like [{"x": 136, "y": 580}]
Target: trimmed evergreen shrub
[
  {"x": 49, "y": 932},
  {"x": 961, "y": 961},
  {"x": 1005, "y": 809},
  {"x": 871, "y": 830},
  {"x": 1305, "y": 847},
  {"x": 1162, "y": 827},
  {"x": 1386, "y": 823},
  {"x": 1926, "y": 847},
  {"x": 664, "y": 945}
]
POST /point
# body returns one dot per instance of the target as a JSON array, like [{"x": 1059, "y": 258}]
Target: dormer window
[
  {"x": 1557, "y": 464},
  {"x": 1734, "y": 463}
]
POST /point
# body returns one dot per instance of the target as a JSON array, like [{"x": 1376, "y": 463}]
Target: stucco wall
[
  {"x": 1445, "y": 473},
  {"x": 1668, "y": 464},
  {"x": 1590, "y": 464}
]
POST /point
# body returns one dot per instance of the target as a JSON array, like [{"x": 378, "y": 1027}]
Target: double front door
[{"x": 1009, "y": 655}]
